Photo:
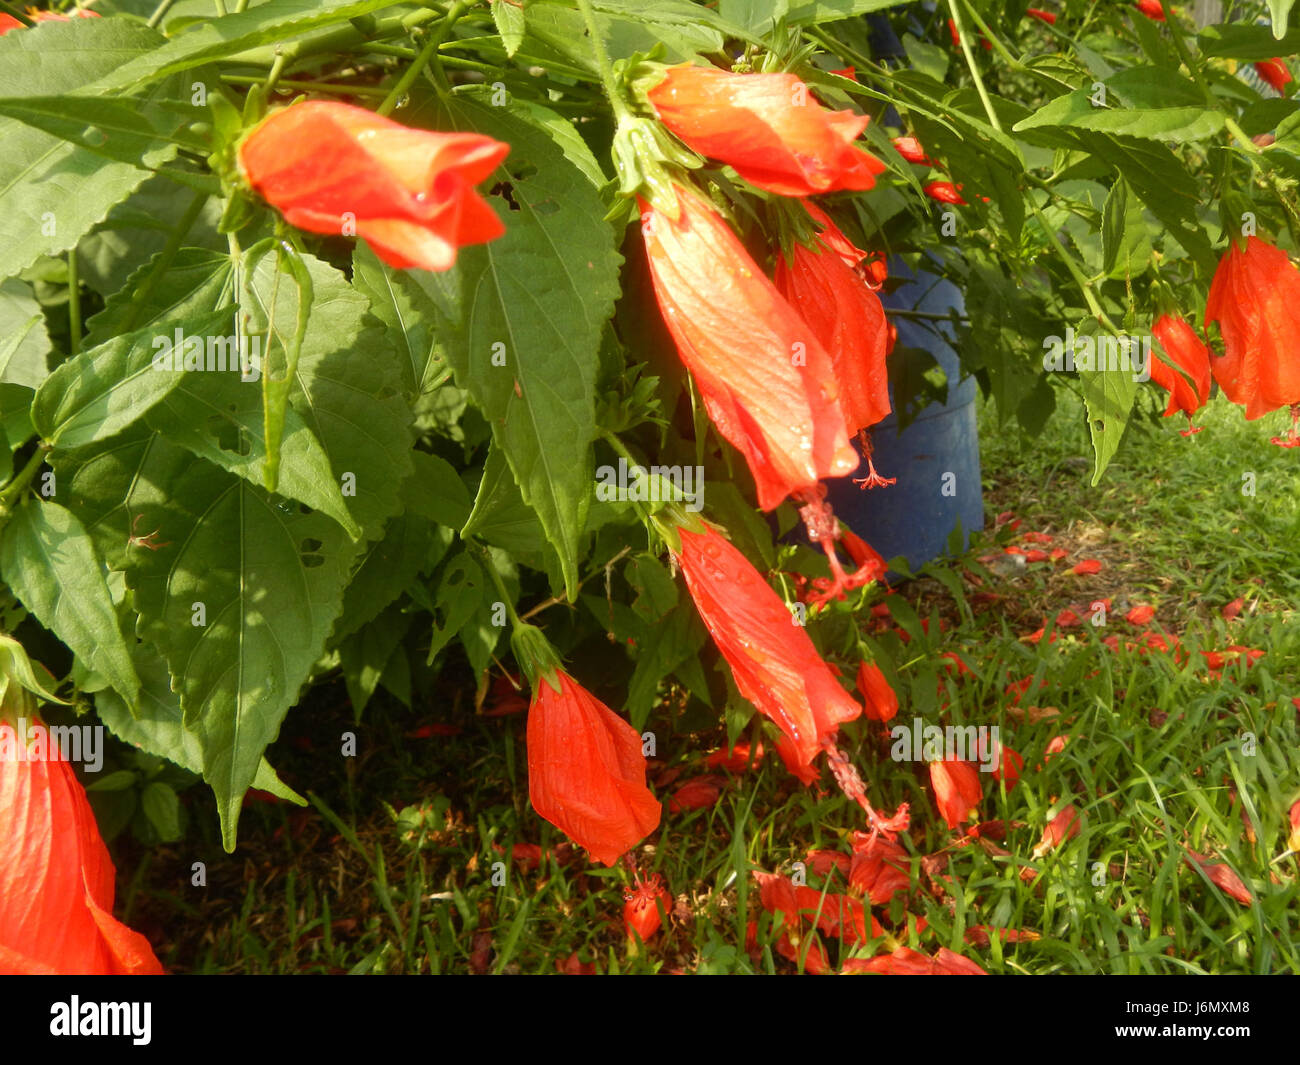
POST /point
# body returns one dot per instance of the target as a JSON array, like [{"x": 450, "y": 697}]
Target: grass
[{"x": 393, "y": 868}]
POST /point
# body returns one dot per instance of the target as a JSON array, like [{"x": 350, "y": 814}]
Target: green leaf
[
  {"x": 1126, "y": 243},
  {"x": 195, "y": 282},
  {"x": 157, "y": 727},
  {"x": 162, "y": 807},
  {"x": 816, "y": 11},
  {"x": 1281, "y": 11},
  {"x": 406, "y": 309},
  {"x": 1243, "y": 40},
  {"x": 239, "y": 598},
  {"x": 283, "y": 341},
  {"x": 100, "y": 392},
  {"x": 536, "y": 300},
  {"x": 123, "y": 130},
  {"x": 509, "y": 19},
  {"x": 215, "y": 38},
  {"x": 461, "y": 588},
  {"x": 670, "y": 642},
  {"x": 49, "y": 561},
  {"x": 436, "y": 491},
  {"x": 364, "y": 656},
  {"x": 348, "y": 388},
  {"x": 53, "y": 192},
  {"x": 757, "y": 16},
  {"x": 1108, "y": 395},
  {"x": 24, "y": 343},
  {"x": 1161, "y": 108}
]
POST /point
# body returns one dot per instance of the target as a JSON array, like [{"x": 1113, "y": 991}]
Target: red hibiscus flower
[
  {"x": 775, "y": 664},
  {"x": 766, "y": 126},
  {"x": 847, "y": 319},
  {"x": 586, "y": 772},
  {"x": 1140, "y": 615},
  {"x": 698, "y": 793},
  {"x": 943, "y": 191},
  {"x": 1152, "y": 9},
  {"x": 767, "y": 383},
  {"x": 1255, "y": 299},
  {"x": 1087, "y": 566},
  {"x": 738, "y": 760},
  {"x": 957, "y": 790},
  {"x": 1275, "y": 73},
  {"x": 57, "y": 881},
  {"x": 879, "y": 698},
  {"x": 910, "y": 149},
  {"x": 1041, "y": 15},
  {"x": 907, "y": 962},
  {"x": 409, "y": 193},
  {"x": 1188, "y": 353},
  {"x": 879, "y": 868},
  {"x": 642, "y": 906},
  {"x": 1293, "y": 840}
]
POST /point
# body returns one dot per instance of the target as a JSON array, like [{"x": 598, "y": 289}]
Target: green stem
[
  {"x": 955, "y": 7},
  {"x": 621, "y": 109},
  {"x": 18, "y": 484},
  {"x": 308, "y": 86},
  {"x": 74, "y": 303},
  {"x": 502, "y": 590},
  {"x": 342, "y": 38},
  {"x": 14, "y": 12},
  {"x": 163, "y": 261},
  {"x": 427, "y": 54},
  {"x": 1240, "y": 134},
  {"x": 620, "y": 450},
  {"x": 1085, "y": 286},
  {"x": 283, "y": 57},
  {"x": 221, "y": 8}
]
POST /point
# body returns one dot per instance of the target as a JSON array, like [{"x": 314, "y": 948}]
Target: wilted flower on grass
[
  {"x": 642, "y": 906},
  {"x": 409, "y": 193},
  {"x": 957, "y": 790}
]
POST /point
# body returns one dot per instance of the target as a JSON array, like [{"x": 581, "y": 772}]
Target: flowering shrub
[{"x": 324, "y": 323}]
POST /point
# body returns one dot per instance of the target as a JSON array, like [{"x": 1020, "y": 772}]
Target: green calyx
[{"x": 535, "y": 655}]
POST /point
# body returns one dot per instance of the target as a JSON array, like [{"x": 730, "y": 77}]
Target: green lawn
[{"x": 393, "y": 872}]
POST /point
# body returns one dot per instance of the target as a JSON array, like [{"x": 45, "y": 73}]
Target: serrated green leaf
[
  {"x": 407, "y": 310},
  {"x": 509, "y": 19},
  {"x": 162, "y": 807},
  {"x": 461, "y": 587},
  {"x": 100, "y": 392},
  {"x": 24, "y": 343},
  {"x": 124, "y": 130},
  {"x": 1160, "y": 108},
  {"x": 195, "y": 282},
  {"x": 53, "y": 192},
  {"x": 156, "y": 726},
  {"x": 537, "y": 300},
  {"x": 1126, "y": 243},
  {"x": 1108, "y": 395},
  {"x": 348, "y": 389},
  {"x": 239, "y": 597},
  {"x": 215, "y": 38},
  {"x": 49, "y": 561}
]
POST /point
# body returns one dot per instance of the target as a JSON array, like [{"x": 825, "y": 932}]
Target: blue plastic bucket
[{"x": 936, "y": 458}]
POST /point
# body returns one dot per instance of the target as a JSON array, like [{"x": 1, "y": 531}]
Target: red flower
[
  {"x": 1221, "y": 876},
  {"x": 1293, "y": 841},
  {"x": 907, "y": 962},
  {"x": 956, "y": 37},
  {"x": 586, "y": 772},
  {"x": 1188, "y": 352},
  {"x": 1152, "y": 9},
  {"x": 1233, "y": 609},
  {"x": 879, "y": 868},
  {"x": 775, "y": 664},
  {"x": 1087, "y": 566},
  {"x": 739, "y": 759},
  {"x": 767, "y": 383},
  {"x": 864, "y": 554},
  {"x": 957, "y": 790},
  {"x": 698, "y": 793},
  {"x": 768, "y": 127},
  {"x": 1041, "y": 15},
  {"x": 1255, "y": 298},
  {"x": 879, "y": 698},
  {"x": 943, "y": 191},
  {"x": 910, "y": 149},
  {"x": 641, "y": 907},
  {"x": 575, "y": 966},
  {"x": 1275, "y": 72},
  {"x": 847, "y": 319},
  {"x": 1063, "y": 826},
  {"x": 57, "y": 881},
  {"x": 1140, "y": 615},
  {"x": 8, "y": 22},
  {"x": 409, "y": 193}
]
